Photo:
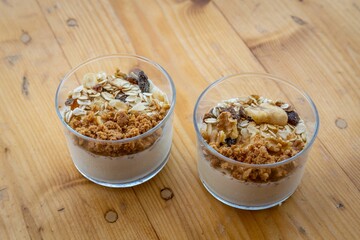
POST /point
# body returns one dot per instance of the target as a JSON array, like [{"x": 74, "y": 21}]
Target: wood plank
[
  {"x": 43, "y": 194},
  {"x": 193, "y": 24},
  {"x": 292, "y": 44}
]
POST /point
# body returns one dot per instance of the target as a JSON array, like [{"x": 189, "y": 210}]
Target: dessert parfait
[
  {"x": 119, "y": 134},
  {"x": 250, "y": 150}
]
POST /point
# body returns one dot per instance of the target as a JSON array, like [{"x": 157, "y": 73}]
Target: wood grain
[{"x": 313, "y": 44}]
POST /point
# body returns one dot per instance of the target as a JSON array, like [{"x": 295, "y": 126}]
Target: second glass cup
[
  {"x": 248, "y": 185},
  {"x": 132, "y": 160}
]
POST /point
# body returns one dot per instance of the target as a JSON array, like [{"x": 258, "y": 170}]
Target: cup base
[
  {"x": 244, "y": 207},
  {"x": 130, "y": 183}
]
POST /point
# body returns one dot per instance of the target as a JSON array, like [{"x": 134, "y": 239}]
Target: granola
[
  {"x": 254, "y": 130},
  {"x": 114, "y": 107}
]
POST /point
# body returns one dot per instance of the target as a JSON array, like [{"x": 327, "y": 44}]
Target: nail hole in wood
[
  {"x": 298, "y": 20},
  {"x": 111, "y": 216},
  {"x": 71, "y": 22},
  {"x": 25, "y": 86},
  {"x": 166, "y": 194},
  {"x": 302, "y": 230},
  {"x": 25, "y": 37},
  {"x": 340, "y": 205},
  {"x": 341, "y": 123}
]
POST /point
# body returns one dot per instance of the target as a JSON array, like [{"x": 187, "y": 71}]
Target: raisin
[
  {"x": 232, "y": 111},
  {"x": 242, "y": 113},
  {"x": 69, "y": 102},
  {"x": 143, "y": 82},
  {"x": 98, "y": 88},
  {"x": 293, "y": 118},
  {"x": 132, "y": 80},
  {"x": 208, "y": 115},
  {"x": 121, "y": 97},
  {"x": 74, "y": 105},
  {"x": 230, "y": 141}
]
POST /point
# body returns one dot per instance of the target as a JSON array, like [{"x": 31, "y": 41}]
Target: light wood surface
[{"x": 314, "y": 44}]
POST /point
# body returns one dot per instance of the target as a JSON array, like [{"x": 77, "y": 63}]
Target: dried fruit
[
  {"x": 242, "y": 112},
  {"x": 293, "y": 118},
  {"x": 69, "y": 102},
  {"x": 208, "y": 115},
  {"x": 232, "y": 111},
  {"x": 143, "y": 82},
  {"x": 98, "y": 88},
  {"x": 121, "y": 97},
  {"x": 230, "y": 141}
]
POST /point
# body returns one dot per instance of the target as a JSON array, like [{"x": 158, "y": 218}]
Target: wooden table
[{"x": 314, "y": 44}]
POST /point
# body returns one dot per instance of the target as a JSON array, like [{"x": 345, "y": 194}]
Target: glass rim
[
  {"x": 276, "y": 79},
  {"x": 131, "y": 56}
]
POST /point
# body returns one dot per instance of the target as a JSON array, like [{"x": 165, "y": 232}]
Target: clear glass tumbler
[
  {"x": 219, "y": 182},
  {"x": 126, "y": 162}
]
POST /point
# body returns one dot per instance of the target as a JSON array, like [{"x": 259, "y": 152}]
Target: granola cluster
[
  {"x": 114, "y": 107},
  {"x": 254, "y": 130}
]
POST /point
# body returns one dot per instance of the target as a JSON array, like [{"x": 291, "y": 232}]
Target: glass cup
[
  {"x": 213, "y": 167},
  {"x": 126, "y": 162}
]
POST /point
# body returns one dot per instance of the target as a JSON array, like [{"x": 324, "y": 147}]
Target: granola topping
[
  {"x": 254, "y": 130},
  {"x": 114, "y": 107}
]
